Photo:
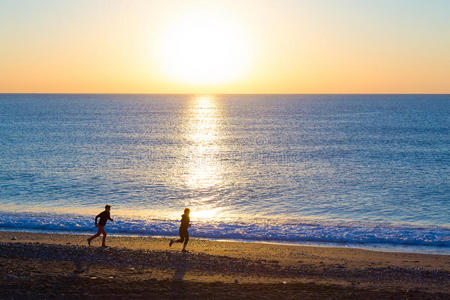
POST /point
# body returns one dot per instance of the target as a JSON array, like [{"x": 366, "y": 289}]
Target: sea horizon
[{"x": 219, "y": 94}]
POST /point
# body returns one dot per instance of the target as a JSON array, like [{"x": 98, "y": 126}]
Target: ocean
[{"x": 370, "y": 171}]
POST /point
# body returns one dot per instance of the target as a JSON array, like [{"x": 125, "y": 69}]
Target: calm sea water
[{"x": 347, "y": 169}]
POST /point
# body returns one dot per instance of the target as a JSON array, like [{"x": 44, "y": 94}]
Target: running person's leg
[
  {"x": 104, "y": 237},
  {"x": 99, "y": 231},
  {"x": 180, "y": 240},
  {"x": 186, "y": 239}
]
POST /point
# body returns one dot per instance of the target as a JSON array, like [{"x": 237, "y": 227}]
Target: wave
[{"x": 270, "y": 230}]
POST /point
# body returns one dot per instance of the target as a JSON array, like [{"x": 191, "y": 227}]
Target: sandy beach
[{"x": 62, "y": 266}]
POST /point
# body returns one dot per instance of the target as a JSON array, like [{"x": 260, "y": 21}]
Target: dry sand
[{"x": 62, "y": 266}]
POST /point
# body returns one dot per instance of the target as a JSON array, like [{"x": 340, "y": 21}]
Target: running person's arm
[
  {"x": 109, "y": 217},
  {"x": 96, "y": 217}
]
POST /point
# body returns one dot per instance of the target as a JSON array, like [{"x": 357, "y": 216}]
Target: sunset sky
[{"x": 261, "y": 46}]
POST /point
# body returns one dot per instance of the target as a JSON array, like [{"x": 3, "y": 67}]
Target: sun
[{"x": 204, "y": 48}]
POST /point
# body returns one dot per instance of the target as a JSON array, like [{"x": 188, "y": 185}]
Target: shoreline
[
  {"x": 139, "y": 266},
  {"x": 378, "y": 236},
  {"x": 392, "y": 248}
]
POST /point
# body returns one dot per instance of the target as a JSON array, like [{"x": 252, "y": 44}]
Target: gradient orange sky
[{"x": 334, "y": 46}]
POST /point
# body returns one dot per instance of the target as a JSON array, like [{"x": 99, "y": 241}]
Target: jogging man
[
  {"x": 104, "y": 217},
  {"x": 184, "y": 234}
]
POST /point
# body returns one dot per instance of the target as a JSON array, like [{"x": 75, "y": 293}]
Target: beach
[{"x": 56, "y": 266}]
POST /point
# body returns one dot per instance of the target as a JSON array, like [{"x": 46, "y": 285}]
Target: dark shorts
[{"x": 184, "y": 234}]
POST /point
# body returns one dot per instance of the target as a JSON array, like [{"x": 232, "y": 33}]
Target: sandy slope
[{"x": 36, "y": 265}]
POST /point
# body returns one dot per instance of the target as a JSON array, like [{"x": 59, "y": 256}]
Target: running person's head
[
  {"x": 187, "y": 211},
  {"x": 107, "y": 207}
]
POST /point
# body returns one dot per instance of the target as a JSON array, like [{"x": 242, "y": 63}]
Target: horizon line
[{"x": 131, "y": 93}]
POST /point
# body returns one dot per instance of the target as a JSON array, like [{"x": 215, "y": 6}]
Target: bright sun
[{"x": 204, "y": 48}]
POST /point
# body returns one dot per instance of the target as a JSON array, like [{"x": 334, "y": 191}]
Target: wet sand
[{"x": 62, "y": 266}]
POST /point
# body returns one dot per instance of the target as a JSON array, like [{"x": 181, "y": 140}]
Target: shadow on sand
[
  {"x": 178, "y": 289},
  {"x": 81, "y": 267}
]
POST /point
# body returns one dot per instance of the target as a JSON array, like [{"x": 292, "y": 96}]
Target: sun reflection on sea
[
  {"x": 203, "y": 136},
  {"x": 203, "y": 171},
  {"x": 205, "y": 213}
]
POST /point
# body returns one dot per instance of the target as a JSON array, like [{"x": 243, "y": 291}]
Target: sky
[{"x": 252, "y": 46}]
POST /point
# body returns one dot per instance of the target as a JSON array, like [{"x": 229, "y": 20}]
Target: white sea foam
[{"x": 271, "y": 230}]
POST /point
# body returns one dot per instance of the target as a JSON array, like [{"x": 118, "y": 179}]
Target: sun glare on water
[
  {"x": 204, "y": 48},
  {"x": 206, "y": 213},
  {"x": 203, "y": 136}
]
